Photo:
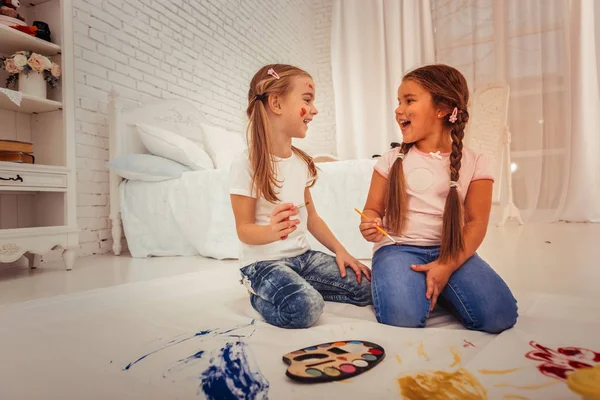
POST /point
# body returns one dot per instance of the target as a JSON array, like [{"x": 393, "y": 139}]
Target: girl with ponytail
[
  {"x": 433, "y": 195},
  {"x": 273, "y": 209}
]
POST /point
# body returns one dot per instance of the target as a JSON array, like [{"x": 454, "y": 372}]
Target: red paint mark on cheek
[{"x": 302, "y": 112}]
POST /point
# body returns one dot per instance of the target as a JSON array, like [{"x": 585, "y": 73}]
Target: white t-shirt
[{"x": 293, "y": 176}]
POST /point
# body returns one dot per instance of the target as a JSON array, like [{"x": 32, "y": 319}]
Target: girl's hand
[
  {"x": 280, "y": 223},
  {"x": 368, "y": 230},
  {"x": 437, "y": 278},
  {"x": 344, "y": 260}
]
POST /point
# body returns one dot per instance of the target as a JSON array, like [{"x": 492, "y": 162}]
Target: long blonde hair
[
  {"x": 448, "y": 89},
  {"x": 263, "y": 85}
]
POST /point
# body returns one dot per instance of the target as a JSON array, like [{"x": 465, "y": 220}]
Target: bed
[{"x": 191, "y": 214}]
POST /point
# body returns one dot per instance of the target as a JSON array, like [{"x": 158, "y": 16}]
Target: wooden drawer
[{"x": 31, "y": 179}]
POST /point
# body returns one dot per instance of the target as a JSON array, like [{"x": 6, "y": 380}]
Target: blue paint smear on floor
[
  {"x": 171, "y": 343},
  {"x": 177, "y": 341}
]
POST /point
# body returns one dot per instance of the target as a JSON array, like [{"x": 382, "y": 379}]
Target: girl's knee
[
  {"x": 498, "y": 319},
  {"x": 504, "y": 319},
  {"x": 405, "y": 320},
  {"x": 302, "y": 309},
  {"x": 361, "y": 295},
  {"x": 400, "y": 300},
  {"x": 401, "y": 313}
]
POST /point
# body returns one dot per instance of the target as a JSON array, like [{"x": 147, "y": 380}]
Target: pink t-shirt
[{"x": 428, "y": 177}]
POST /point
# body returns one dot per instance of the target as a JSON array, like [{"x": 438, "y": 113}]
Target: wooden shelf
[
  {"x": 50, "y": 169},
  {"x": 34, "y": 177},
  {"x": 12, "y": 40},
  {"x": 38, "y": 202},
  {"x": 34, "y": 2},
  {"x": 29, "y": 104},
  {"x": 29, "y": 189},
  {"x": 36, "y": 231}
]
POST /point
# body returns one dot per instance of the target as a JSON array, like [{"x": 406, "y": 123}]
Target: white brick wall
[
  {"x": 203, "y": 51},
  {"x": 321, "y": 137}
]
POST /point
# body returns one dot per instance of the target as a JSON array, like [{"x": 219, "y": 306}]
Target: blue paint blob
[
  {"x": 197, "y": 355},
  {"x": 231, "y": 375}
]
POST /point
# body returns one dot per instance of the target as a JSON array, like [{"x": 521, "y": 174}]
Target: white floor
[
  {"x": 552, "y": 258},
  {"x": 72, "y": 334}
]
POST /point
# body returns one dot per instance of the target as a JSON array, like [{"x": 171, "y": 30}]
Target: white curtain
[
  {"x": 372, "y": 44},
  {"x": 582, "y": 202},
  {"x": 546, "y": 50}
]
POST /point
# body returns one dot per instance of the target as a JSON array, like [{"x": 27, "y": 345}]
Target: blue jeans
[
  {"x": 290, "y": 293},
  {"x": 475, "y": 294}
]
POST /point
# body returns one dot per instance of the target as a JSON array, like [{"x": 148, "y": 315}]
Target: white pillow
[
  {"x": 172, "y": 146},
  {"x": 146, "y": 167},
  {"x": 222, "y": 145}
]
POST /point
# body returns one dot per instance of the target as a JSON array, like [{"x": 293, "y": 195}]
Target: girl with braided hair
[
  {"x": 433, "y": 195},
  {"x": 273, "y": 209}
]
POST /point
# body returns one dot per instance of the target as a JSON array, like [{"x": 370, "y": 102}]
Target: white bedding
[
  {"x": 192, "y": 215},
  {"x": 148, "y": 223}
]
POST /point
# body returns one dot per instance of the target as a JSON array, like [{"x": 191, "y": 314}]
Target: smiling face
[
  {"x": 416, "y": 114},
  {"x": 298, "y": 108}
]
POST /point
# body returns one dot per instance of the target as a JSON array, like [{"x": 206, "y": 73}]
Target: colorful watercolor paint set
[{"x": 333, "y": 361}]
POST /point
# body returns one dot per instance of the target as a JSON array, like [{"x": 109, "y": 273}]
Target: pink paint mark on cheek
[{"x": 302, "y": 112}]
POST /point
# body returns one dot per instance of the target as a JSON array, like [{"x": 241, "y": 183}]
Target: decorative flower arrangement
[{"x": 27, "y": 62}]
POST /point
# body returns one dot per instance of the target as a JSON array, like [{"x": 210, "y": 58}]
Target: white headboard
[
  {"x": 177, "y": 116},
  {"x": 487, "y": 129}
]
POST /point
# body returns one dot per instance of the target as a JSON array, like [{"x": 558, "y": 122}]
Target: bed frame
[{"x": 176, "y": 116}]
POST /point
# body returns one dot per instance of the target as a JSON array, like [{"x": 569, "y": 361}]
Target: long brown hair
[
  {"x": 263, "y": 85},
  {"x": 448, "y": 89}
]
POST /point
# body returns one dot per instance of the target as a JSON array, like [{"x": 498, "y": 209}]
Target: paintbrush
[
  {"x": 378, "y": 228},
  {"x": 302, "y": 205}
]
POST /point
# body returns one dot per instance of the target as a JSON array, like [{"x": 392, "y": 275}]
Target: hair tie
[
  {"x": 273, "y": 73},
  {"x": 453, "y": 118},
  {"x": 400, "y": 156},
  {"x": 453, "y": 184},
  {"x": 260, "y": 97}
]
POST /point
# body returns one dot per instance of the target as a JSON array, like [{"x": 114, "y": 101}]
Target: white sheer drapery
[
  {"x": 372, "y": 44},
  {"x": 582, "y": 197},
  {"x": 547, "y": 52}
]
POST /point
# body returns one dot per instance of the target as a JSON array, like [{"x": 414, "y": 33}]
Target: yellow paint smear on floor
[
  {"x": 421, "y": 351},
  {"x": 442, "y": 385}
]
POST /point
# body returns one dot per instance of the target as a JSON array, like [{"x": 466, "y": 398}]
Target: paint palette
[{"x": 333, "y": 361}]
